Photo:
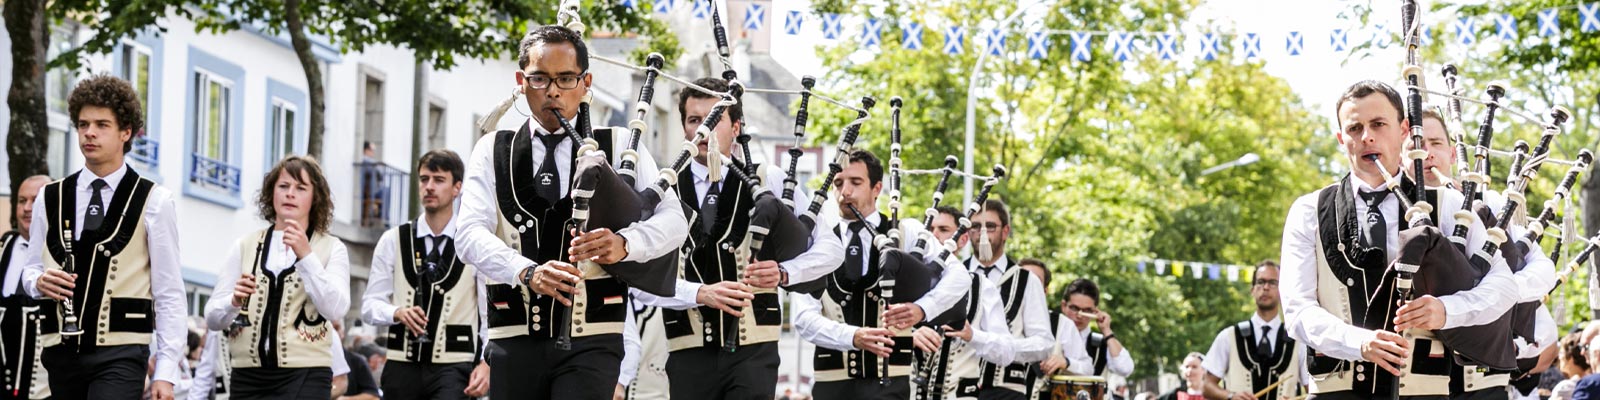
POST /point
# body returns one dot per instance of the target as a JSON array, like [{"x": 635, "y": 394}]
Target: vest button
[
  {"x": 1361, "y": 368},
  {"x": 1350, "y": 281},
  {"x": 1361, "y": 377},
  {"x": 536, "y": 326},
  {"x": 579, "y": 330},
  {"x": 708, "y": 339},
  {"x": 535, "y": 308}
]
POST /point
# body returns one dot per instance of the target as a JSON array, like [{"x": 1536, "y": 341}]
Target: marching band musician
[
  {"x": 514, "y": 207},
  {"x": 102, "y": 219},
  {"x": 1338, "y": 294},
  {"x": 852, "y": 346},
  {"x": 1023, "y": 301},
  {"x": 1535, "y": 280},
  {"x": 25, "y": 376},
  {"x": 1255, "y": 354},
  {"x": 425, "y": 300},
  {"x": 1080, "y": 301},
  {"x": 699, "y": 366},
  {"x": 293, "y": 285}
]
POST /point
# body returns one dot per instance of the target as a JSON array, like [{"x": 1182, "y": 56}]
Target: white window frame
[
  {"x": 282, "y": 121},
  {"x": 202, "y": 123}
]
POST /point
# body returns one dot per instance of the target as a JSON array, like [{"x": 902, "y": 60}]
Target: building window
[
  {"x": 436, "y": 132},
  {"x": 281, "y": 128},
  {"x": 134, "y": 64},
  {"x": 213, "y": 128},
  {"x": 59, "y": 81},
  {"x": 58, "y": 143}
]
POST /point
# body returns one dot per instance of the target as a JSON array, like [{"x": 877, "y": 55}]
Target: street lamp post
[
  {"x": 1246, "y": 159},
  {"x": 972, "y": 103}
]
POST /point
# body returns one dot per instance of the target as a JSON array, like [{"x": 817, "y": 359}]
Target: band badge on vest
[
  {"x": 546, "y": 178},
  {"x": 310, "y": 325}
]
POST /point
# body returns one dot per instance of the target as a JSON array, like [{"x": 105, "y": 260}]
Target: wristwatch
[{"x": 527, "y": 276}]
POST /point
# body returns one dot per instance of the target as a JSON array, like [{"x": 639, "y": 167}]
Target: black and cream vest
[
  {"x": 954, "y": 369},
  {"x": 1018, "y": 377},
  {"x": 710, "y": 257},
  {"x": 449, "y": 296},
  {"x": 24, "y": 374},
  {"x": 286, "y": 330},
  {"x": 1249, "y": 371},
  {"x": 112, "y": 299},
  {"x": 859, "y": 302},
  {"x": 538, "y": 230}
]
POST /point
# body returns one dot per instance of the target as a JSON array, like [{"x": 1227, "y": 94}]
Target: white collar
[
  {"x": 701, "y": 170},
  {"x": 1257, "y": 322},
  {"x": 424, "y": 230},
  {"x": 538, "y": 130},
  {"x": 1003, "y": 261},
  {"x": 86, "y": 177}
]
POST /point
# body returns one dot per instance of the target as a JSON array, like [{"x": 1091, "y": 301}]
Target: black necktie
[
  {"x": 708, "y": 207},
  {"x": 1377, "y": 237},
  {"x": 853, "y": 252},
  {"x": 1264, "y": 347},
  {"x": 97, "y": 208},
  {"x": 432, "y": 260},
  {"x": 547, "y": 183}
]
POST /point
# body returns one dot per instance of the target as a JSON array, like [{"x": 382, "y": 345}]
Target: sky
[{"x": 1318, "y": 76}]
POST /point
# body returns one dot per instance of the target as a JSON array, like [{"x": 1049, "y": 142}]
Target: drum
[{"x": 1067, "y": 387}]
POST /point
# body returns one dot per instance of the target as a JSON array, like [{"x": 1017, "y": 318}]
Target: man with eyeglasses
[
  {"x": 1534, "y": 330},
  {"x": 512, "y": 228},
  {"x": 1023, "y": 301},
  {"x": 1080, "y": 301},
  {"x": 1252, "y": 355}
]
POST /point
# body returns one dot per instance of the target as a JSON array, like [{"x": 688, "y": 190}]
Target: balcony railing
[
  {"x": 214, "y": 174},
  {"x": 384, "y": 193},
  {"x": 146, "y": 152}
]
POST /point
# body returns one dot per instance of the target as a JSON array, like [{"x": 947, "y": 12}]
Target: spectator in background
[
  {"x": 1588, "y": 383},
  {"x": 1193, "y": 379},
  {"x": 1573, "y": 364}
]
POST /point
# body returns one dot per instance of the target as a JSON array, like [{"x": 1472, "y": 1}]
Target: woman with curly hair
[{"x": 293, "y": 280}]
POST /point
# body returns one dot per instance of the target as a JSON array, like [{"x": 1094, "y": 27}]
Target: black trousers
[
  {"x": 709, "y": 373},
  {"x": 1349, "y": 395},
  {"x": 898, "y": 388},
  {"x": 423, "y": 381},
  {"x": 523, "y": 367},
  {"x": 113, "y": 372},
  {"x": 281, "y": 383},
  {"x": 995, "y": 393},
  {"x": 1489, "y": 393}
]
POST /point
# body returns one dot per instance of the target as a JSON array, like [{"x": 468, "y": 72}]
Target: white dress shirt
[
  {"x": 328, "y": 286},
  {"x": 1120, "y": 363},
  {"x": 1072, "y": 348},
  {"x": 991, "y": 337},
  {"x": 1216, "y": 362},
  {"x": 205, "y": 373},
  {"x": 1037, "y": 341},
  {"x": 632, "y": 348},
  {"x": 375, "y": 307},
  {"x": 166, "y": 271},
  {"x": 477, "y": 244},
  {"x": 14, "y": 271},
  {"x": 824, "y": 256},
  {"x": 1320, "y": 330}
]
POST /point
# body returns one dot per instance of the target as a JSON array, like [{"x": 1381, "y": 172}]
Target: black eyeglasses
[
  {"x": 565, "y": 82},
  {"x": 993, "y": 226},
  {"x": 1267, "y": 282}
]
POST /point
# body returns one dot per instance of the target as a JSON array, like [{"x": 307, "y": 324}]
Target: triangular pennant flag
[
  {"x": 1038, "y": 49},
  {"x": 1233, "y": 273},
  {"x": 1080, "y": 47},
  {"x": 872, "y": 32},
  {"x": 1339, "y": 40},
  {"x": 995, "y": 42},
  {"x": 791, "y": 25},
  {"x": 1586, "y": 13},
  {"x": 911, "y": 36},
  {"x": 1252, "y": 46},
  {"x": 1466, "y": 30},
  {"x": 1505, "y": 27},
  {"x": 1214, "y": 272},
  {"x": 1141, "y": 266},
  {"x": 663, "y": 6},
  {"x": 1197, "y": 270},
  {"x": 702, "y": 9},
  {"x": 754, "y": 16},
  {"x": 1167, "y": 46},
  {"x": 1294, "y": 44},
  {"x": 1177, "y": 268},
  {"x": 832, "y": 25},
  {"x": 1427, "y": 35},
  {"x": 1549, "y": 23},
  {"x": 1121, "y": 46},
  {"x": 1208, "y": 46},
  {"x": 1161, "y": 267},
  {"x": 954, "y": 38},
  {"x": 1248, "y": 275}
]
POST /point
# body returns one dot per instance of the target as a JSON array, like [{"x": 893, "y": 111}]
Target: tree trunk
[
  {"x": 308, "y": 62},
  {"x": 28, "y": 139}
]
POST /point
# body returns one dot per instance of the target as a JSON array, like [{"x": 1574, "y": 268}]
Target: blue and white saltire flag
[
  {"x": 1252, "y": 46},
  {"x": 792, "y": 24},
  {"x": 663, "y": 6},
  {"x": 702, "y": 9},
  {"x": 832, "y": 25},
  {"x": 1038, "y": 45},
  {"x": 872, "y": 32},
  {"x": 1466, "y": 30},
  {"x": 1339, "y": 40},
  {"x": 911, "y": 36},
  {"x": 955, "y": 38},
  {"x": 1167, "y": 46},
  {"x": 1294, "y": 43},
  {"x": 754, "y": 16},
  {"x": 1505, "y": 27},
  {"x": 1586, "y": 13},
  {"x": 1121, "y": 46},
  {"x": 995, "y": 41},
  {"x": 1080, "y": 45},
  {"x": 1549, "y": 23},
  {"x": 1427, "y": 35},
  {"x": 1380, "y": 36},
  {"x": 1208, "y": 46},
  {"x": 628, "y": 4}
]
